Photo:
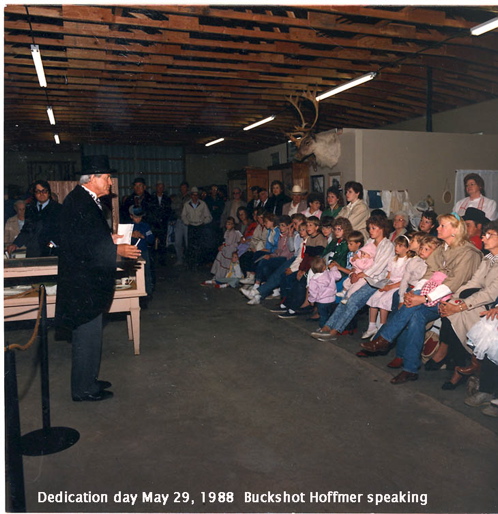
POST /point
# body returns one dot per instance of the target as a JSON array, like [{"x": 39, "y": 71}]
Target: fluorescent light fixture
[
  {"x": 215, "y": 142},
  {"x": 348, "y": 85},
  {"x": 35, "y": 52},
  {"x": 51, "y": 116},
  {"x": 258, "y": 123},
  {"x": 484, "y": 27},
  {"x": 57, "y": 140}
]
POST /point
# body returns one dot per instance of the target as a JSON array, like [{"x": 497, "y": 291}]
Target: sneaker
[
  {"x": 279, "y": 309},
  {"x": 255, "y": 301},
  {"x": 323, "y": 336},
  {"x": 249, "y": 293},
  {"x": 207, "y": 283},
  {"x": 490, "y": 410},
  {"x": 344, "y": 301},
  {"x": 249, "y": 280},
  {"x": 478, "y": 399},
  {"x": 369, "y": 333},
  {"x": 341, "y": 294},
  {"x": 494, "y": 402},
  {"x": 276, "y": 293},
  {"x": 221, "y": 286},
  {"x": 287, "y": 314}
]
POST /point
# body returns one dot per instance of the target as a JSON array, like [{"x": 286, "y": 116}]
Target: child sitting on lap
[{"x": 361, "y": 261}]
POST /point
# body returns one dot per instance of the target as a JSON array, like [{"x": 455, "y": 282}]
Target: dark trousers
[
  {"x": 488, "y": 381},
  {"x": 86, "y": 355},
  {"x": 193, "y": 254},
  {"x": 325, "y": 310},
  {"x": 266, "y": 267}
]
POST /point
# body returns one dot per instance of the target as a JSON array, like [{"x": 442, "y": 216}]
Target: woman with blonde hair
[{"x": 458, "y": 259}]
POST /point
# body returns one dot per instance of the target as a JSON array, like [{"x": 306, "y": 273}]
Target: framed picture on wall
[
  {"x": 287, "y": 180},
  {"x": 317, "y": 184},
  {"x": 335, "y": 180}
]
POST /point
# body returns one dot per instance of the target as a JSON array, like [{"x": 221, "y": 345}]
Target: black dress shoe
[
  {"x": 432, "y": 365},
  {"x": 95, "y": 397},
  {"x": 104, "y": 384}
]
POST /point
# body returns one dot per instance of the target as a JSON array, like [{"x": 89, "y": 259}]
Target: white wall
[
  {"x": 423, "y": 163},
  {"x": 475, "y": 118}
]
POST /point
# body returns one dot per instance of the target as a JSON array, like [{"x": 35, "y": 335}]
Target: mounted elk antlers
[{"x": 325, "y": 146}]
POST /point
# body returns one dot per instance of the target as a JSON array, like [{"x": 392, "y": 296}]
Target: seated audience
[
  {"x": 458, "y": 259},
  {"x": 475, "y": 220},
  {"x": 298, "y": 204},
  {"x": 15, "y": 224},
  {"x": 361, "y": 261},
  {"x": 378, "y": 228},
  {"x": 314, "y": 206},
  {"x": 356, "y": 211},
  {"x": 483, "y": 339},
  {"x": 400, "y": 224},
  {"x": 223, "y": 260},
  {"x": 428, "y": 223},
  {"x": 334, "y": 201},
  {"x": 380, "y": 304},
  {"x": 463, "y": 311}
]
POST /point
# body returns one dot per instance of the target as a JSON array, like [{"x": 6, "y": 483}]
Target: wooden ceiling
[{"x": 186, "y": 75}]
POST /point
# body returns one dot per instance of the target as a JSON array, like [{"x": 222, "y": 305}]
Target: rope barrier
[{"x": 33, "y": 337}]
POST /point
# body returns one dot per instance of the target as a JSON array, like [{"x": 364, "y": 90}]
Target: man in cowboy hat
[{"x": 298, "y": 203}]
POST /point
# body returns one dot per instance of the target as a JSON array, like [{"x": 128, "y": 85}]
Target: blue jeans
[
  {"x": 324, "y": 311},
  {"x": 266, "y": 267},
  {"x": 274, "y": 279},
  {"x": 408, "y": 325},
  {"x": 346, "y": 312}
]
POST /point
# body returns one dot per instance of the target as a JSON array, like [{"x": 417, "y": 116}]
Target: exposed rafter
[{"x": 184, "y": 75}]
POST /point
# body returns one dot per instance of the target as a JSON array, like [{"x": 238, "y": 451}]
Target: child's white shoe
[
  {"x": 249, "y": 280},
  {"x": 249, "y": 293},
  {"x": 276, "y": 293},
  {"x": 256, "y": 300},
  {"x": 340, "y": 294},
  {"x": 344, "y": 301},
  {"x": 207, "y": 283},
  {"x": 369, "y": 333}
]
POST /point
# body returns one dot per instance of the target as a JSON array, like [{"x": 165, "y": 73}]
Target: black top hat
[
  {"x": 94, "y": 164},
  {"x": 475, "y": 215}
]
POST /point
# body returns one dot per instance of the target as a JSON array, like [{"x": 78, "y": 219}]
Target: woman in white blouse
[{"x": 474, "y": 197}]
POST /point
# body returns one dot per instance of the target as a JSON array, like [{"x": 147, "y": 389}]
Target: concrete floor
[{"x": 227, "y": 398}]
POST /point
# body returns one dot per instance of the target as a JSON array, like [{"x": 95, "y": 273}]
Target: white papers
[{"x": 124, "y": 230}]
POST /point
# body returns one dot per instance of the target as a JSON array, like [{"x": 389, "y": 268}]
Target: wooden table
[{"x": 25, "y": 307}]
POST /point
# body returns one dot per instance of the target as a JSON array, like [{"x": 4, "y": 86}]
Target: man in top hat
[
  {"x": 139, "y": 198},
  {"x": 85, "y": 281},
  {"x": 298, "y": 203},
  {"x": 475, "y": 219}
]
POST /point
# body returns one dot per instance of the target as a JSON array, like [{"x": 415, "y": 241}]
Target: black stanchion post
[
  {"x": 48, "y": 439},
  {"x": 14, "y": 471}
]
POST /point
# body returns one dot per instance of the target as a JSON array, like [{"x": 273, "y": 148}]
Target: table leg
[{"x": 135, "y": 326}]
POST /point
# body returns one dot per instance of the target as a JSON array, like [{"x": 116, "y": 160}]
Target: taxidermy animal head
[{"x": 325, "y": 146}]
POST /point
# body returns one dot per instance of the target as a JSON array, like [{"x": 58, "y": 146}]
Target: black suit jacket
[
  {"x": 87, "y": 261},
  {"x": 159, "y": 215},
  {"x": 39, "y": 229}
]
